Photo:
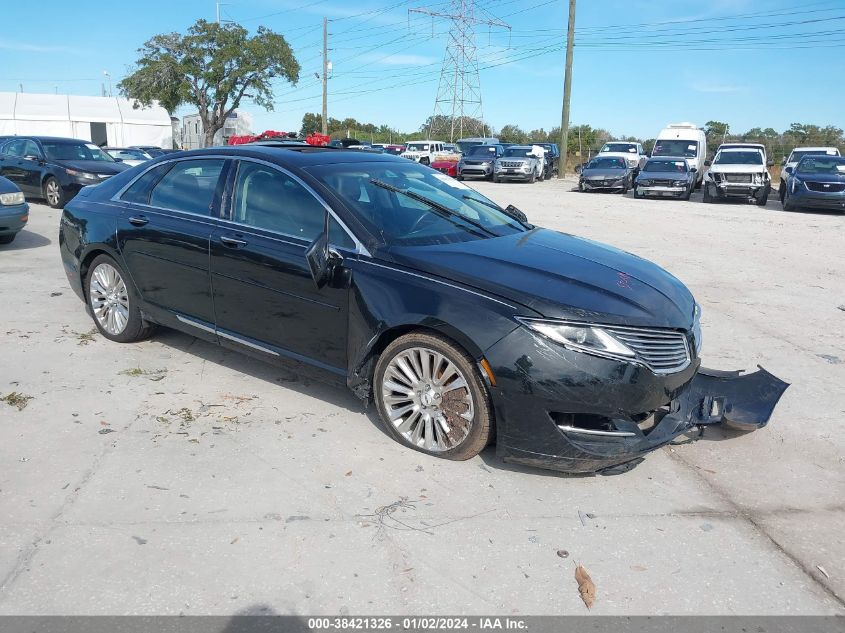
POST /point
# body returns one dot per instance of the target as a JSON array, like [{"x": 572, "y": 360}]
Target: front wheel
[
  {"x": 431, "y": 397},
  {"x": 112, "y": 303},
  {"x": 532, "y": 178},
  {"x": 424, "y": 161},
  {"x": 707, "y": 196},
  {"x": 782, "y": 191},
  {"x": 787, "y": 203},
  {"x": 53, "y": 193},
  {"x": 762, "y": 200}
]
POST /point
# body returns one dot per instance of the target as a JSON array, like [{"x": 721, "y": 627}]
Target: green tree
[
  {"x": 311, "y": 123},
  {"x": 512, "y": 134},
  {"x": 715, "y": 129},
  {"x": 213, "y": 67}
]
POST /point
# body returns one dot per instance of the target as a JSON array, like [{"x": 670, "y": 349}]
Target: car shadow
[
  {"x": 26, "y": 240},
  {"x": 255, "y": 618},
  {"x": 491, "y": 460},
  {"x": 289, "y": 374}
]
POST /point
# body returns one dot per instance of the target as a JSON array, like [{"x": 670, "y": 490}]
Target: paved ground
[{"x": 213, "y": 483}]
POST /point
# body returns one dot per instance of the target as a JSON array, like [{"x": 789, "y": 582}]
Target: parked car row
[{"x": 55, "y": 169}]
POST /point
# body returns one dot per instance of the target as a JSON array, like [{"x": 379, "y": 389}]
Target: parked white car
[
  {"x": 128, "y": 155},
  {"x": 738, "y": 173},
  {"x": 796, "y": 155},
  {"x": 633, "y": 153},
  {"x": 423, "y": 152},
  {"x": 684, "y": 140}
]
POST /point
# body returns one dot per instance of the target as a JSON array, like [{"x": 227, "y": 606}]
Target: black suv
[
  {"x": 552, "y": 159},
  {"x": 54, "y": 168}
]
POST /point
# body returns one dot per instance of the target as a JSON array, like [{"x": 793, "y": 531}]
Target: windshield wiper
[
  {"x": 442, "y": 211},
  {"x": 511, "y": 211}
]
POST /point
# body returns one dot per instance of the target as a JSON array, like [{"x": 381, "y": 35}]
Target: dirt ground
[{"x": 172, "y": 476}]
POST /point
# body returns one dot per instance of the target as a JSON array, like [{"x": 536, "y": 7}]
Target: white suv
[
  {"x": 796, "y": 155},
  {"x": 423, "y": 152},
  {"x": 633, "y": 153}
]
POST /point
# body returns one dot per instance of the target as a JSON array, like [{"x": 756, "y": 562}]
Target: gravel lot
[{"x": 172, "y": 476}]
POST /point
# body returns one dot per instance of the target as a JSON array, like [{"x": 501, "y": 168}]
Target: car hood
[
  {"x": 561, "y": 276},
  {"x": 737, "y": 169},
  {"x": 517, "y": 159},
  {"x": 93, "y": 166},
  {"x": 7, "y": 186},
  {"x": 603, "y": 173},
  {"x": 803, "y": 175},
  {"x": 662, "y": 175}
]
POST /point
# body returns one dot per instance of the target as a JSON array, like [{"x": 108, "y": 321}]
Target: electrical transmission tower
[{"x": 457, "y": 108}]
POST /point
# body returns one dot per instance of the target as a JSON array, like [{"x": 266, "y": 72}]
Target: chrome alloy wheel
[
  {"x": 109, "y": 299},
  {"x": 427, "y": 399},
  {"x": 52, "y": 192}
]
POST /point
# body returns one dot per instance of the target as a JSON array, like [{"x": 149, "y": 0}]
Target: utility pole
[
  {"x": 567, "y": 89},
  {"x": 325, "y": 75}
]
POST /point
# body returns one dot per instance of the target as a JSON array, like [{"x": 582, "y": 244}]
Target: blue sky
[{"x": 638, "y": 63}]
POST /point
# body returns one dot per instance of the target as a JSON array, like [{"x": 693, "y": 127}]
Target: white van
[
  {"x": 683, "y": 140},
  {"x": 423, "y": 151}
]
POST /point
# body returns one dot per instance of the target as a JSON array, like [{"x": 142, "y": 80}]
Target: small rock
[
  {"x": 293, "y": 518},
  {"x": 706, "y": 527},
  {"x": 563, "y": 553},
  {"x": 105, "y": 431},
  {"x": 139, "y": 540}
]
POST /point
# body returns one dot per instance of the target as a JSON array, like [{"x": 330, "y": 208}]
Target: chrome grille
[
  {"x": 662, "y": 351},
  {"x": 825, "y": 187},
  {"x": 737, "y": 177}
]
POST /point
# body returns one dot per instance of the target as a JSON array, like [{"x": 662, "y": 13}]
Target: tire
[
  {"x": 761, "y": 202},
  {"x": 782, "y": 191},
  {"x": 687, "y": 195},
  {"x": 53, "y": 193},
  {"x": 707, "y": 196},
  {"x": 394, "y": 390},
  {"x": 459, "y": 178},
  {"x": 637, "y": 194},
  {"x": 496, "y": 178},
  {"x": 532, "y": 178},
  {"x": 7, "y": 239},
  {"x": 787, "y": 205},
  {"x": 541, "y": 176},
  {"x": 107, "y": 291},
  {"x": 424, "y": 161},
  {"x": 581, "y": 187}
]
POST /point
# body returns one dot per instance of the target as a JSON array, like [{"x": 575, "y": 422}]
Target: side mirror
[
  {"x": 322, "y": 260},
  {"x": 783, "y": 161},
  {"x": 707, "y": 163},
  {"x": 770, "y": 163},
  {"x": 117, "y": 160},
  {"x": 693, "y": 169},
  {"x": 788, "y": 170}
]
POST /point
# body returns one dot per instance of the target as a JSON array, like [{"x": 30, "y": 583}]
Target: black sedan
[
  {"x": 462, "y": 321},
  {"x": 55, "y": 168},
  {"x": 606, "y": 173}
]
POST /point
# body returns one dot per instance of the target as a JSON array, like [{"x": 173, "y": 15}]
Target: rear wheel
[
  {"x": 53, "y": 193},
  {"x": 782, "y": 191},
  {"x": 112, "y": 304},
  {"x": 431, "y": 397},
  {"x": 7, "y": 239}
]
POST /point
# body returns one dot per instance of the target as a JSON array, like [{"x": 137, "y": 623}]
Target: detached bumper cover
[
  {"x": 564, "y": 410},
  {"x": 740, "y": 190}
]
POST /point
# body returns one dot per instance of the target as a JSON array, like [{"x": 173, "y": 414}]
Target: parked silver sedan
[
  {"x": 609, "y": 173},
  {"x": 127, "y": 155}
]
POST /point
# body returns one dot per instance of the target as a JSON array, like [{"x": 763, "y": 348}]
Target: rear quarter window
[
  {"x": 189, "y": 186},
  {"x": 139, "y": 191}
]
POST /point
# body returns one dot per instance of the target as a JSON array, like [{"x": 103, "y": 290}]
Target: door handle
[
  {"x": 138, "y": 220},
  {"x": 232, "y": 242}
]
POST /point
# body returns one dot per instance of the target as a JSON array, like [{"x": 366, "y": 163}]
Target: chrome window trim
[
  {"x": 226, "y": 335},
  {"x": 359, "y": 246},
  {"x": 574, "y": 429}
]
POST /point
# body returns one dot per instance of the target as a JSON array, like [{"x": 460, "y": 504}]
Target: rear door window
[
  {"x": 139, "y": 191},
  {"x": 189, "y": 186}
]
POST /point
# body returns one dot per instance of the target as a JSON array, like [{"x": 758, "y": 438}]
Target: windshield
[
  {"x": 679, "y": 166},
  {"x": 687, "y": 149},
  {"x": 607, "y": 163},
  {"x": 517, "y": 152},
  {"x": 482, "y": 150},
  {"x": 465, "y": 146},
  {"x": 417, "y": 147},
  {"x": 74, "y": 151},
  {"x": 797, "y": 155},
  {"x": 401, "y": 220},
  {"x": 739, "y": 158},
  {"x": 393, "y": 150},
  {"x": 816, "y": 164},
  {"x": 619, "y": 147}
]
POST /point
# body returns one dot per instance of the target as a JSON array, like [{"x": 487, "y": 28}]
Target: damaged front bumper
[{"x": 572, "y": 412}]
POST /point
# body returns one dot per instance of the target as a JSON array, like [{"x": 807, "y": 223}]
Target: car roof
[
  {"x": 53, "y": 139},
  {"x": 295, "y": 155},
  {"x": 734, "y": 148},
  {"x": 666, "y": 158},
  {"x": 804, "y": 149}
]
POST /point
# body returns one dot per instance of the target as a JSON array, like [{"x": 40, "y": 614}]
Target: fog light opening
[{"x": 587, "y": 424}]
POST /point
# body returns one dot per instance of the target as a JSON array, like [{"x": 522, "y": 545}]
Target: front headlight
[
  {"x": 9, "y": 199},
  {"x": 645, "y": 182},
  {"x": 581, "y": 337},
  {"x": 81, "y": 174},
  {"x": 696, "y": 329}
]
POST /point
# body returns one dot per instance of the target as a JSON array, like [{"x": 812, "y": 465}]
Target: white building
[
  {"x": 101, "y": 120},
  {"x": 239, "y": 123}
]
